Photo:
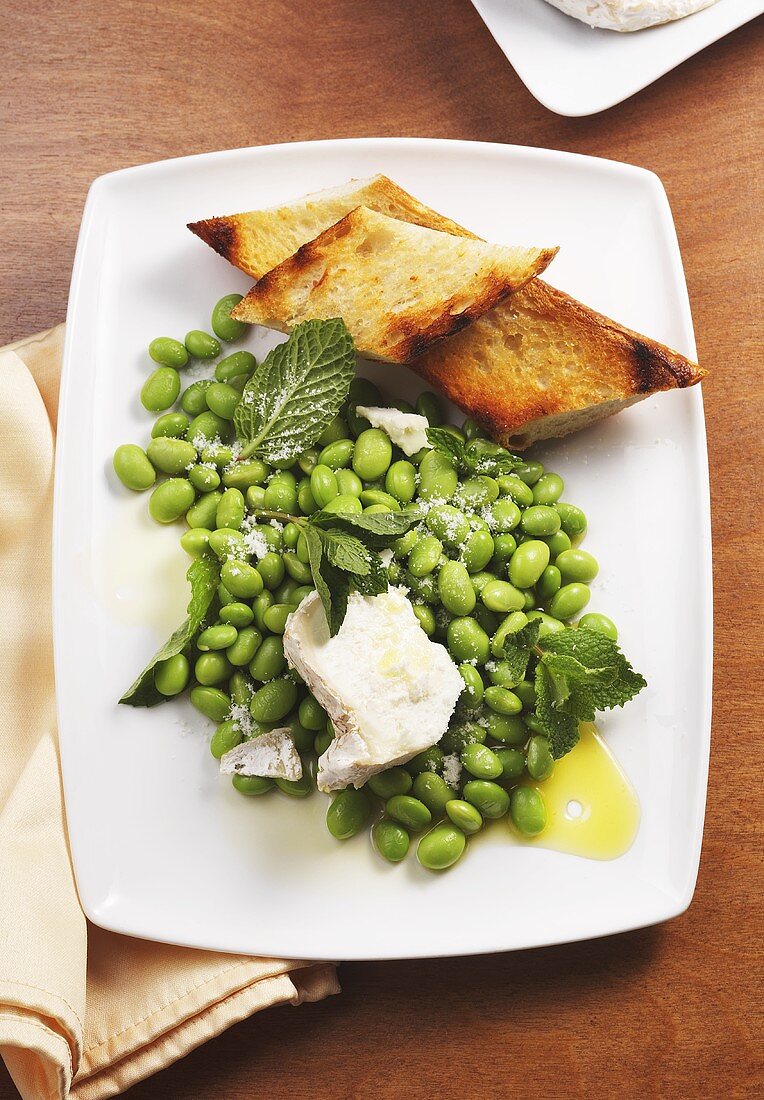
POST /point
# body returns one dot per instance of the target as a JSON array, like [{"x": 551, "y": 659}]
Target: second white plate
[{"x": 576, "y": 70}]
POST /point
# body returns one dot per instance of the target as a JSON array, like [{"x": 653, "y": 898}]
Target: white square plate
[
  {"x": 166, "y": 849},
  {"x": 575, "y": 69}
]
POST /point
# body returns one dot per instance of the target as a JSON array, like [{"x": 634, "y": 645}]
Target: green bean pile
[{"x": 487, "y": 556}]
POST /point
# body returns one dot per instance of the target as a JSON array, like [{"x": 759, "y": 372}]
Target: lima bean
[
  {"x": 212, "y": 702},
  {"x": 467, "y": 641},
  {"x": 372, "y": 454},
  {"x": 569, "y": 600},
  {"x": 455, "y": 588},
  {"x": 595, "y": 621},
  {"x": 222, "y": 399},
  {"x": 390, "y": 839},
  {"x": 171, "y": 676},
  {"x": 273, "y": 701},
  {"x": 528, "y": 563},
  {"x": 347, "y": 814},
  {"x": 161, "y": 389},
  {"x": 236, "y": 365},
  {"x": 201, "y": 345},
  {"x": 252, "y": 784},
  {"x": 269, "y": 661},
  {"x": 226, "y": 737},
  {"x": 241, "y": 579},
  {"x": 230, "y": 511},
  {"x": 409, "y": 811},
  {"x": 574, "y": 565},
  {"x": 246, "y": 645},
  {"x": 171, "y": 499},
  {"x": 441, "y": 848},
  {"x": 223, "y": 324},
  {"x": 174, "y": 425},
  {"x": 400, "y": 481},
  {"x": 168, "y": 352},
  {"x": 337, "y": 455},
  {"x": 133, "y": 468},
  {"x": 431, "y": 789},
  {"x": 487, "y": 797},
  {"x": 465, "y": 816},
  {"x": 540, "y": 761},
  {"x": 204, "y": 478},
  {"x": 528, "y": 811}
]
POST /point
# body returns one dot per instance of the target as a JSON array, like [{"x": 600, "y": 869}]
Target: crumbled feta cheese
[
  {"x": 407, "y": 430},
  {"x": 388, "y": 689},
  {"x": 239, "y": 713},
  {"x": 452, "y": 770},
  {"x": 255, "y": 542},
  {"x": 272, "y": 755}
]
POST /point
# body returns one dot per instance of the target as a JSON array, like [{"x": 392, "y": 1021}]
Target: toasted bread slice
[
  {"x": 259, "y": 240},
  {"x": 586, "y": 356},
  {"x": 542, "y": 365},
  {"x": 398, "y": 287}
]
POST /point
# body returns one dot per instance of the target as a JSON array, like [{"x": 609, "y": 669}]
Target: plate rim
[{"x": 675, "y": 903}]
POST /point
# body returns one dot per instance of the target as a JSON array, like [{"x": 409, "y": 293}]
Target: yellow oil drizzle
[{"x": 592, "y": 808}]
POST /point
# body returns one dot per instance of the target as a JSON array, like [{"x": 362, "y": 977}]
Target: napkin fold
[{"x": 83, "y": 1012}]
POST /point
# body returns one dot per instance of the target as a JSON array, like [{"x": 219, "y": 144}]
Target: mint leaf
[
  {"x": 345, "y": 551},
  {"x": 296, "y": 391},
  {"x": 561, "y": 728},
  {"x": 378, "y": 530},
  {"x": 204, "y": 577},
  {"x": 342, "y": 558},
  {"x": 518, "y": 648},
  {"x": 339, "y": 585},
  {"x": 448, "y": 445},
  {"x": 479, "y": 456},
  {"x": 332, "y": 584},
  {"x": 483, "y": 456},
  {"x": 315, "y": 554},
  {"x": 373, "y": 582},
  {"x": 600, "y": 675},
  {"x": 579, "y": 673}
]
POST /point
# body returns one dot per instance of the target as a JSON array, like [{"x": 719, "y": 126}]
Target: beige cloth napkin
[{"x": 83, "y": 1012}]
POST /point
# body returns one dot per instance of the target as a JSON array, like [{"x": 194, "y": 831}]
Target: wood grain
[{"x": 90, "y": 87}]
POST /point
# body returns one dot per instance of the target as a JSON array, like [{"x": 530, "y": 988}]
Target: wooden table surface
[{"x": 88, "y": 87}]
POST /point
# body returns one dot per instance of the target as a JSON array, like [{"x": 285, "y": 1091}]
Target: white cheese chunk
[
  {"x": 629, "y": 15},
  {"x": 272, "y": 755},
  {"x": 407, "y": 430},
  {"x": 387, "y": 688}
]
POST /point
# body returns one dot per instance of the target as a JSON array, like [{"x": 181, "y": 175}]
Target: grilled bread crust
[
  {"x": 259, "y": 240},
  {"x": 541, "y": 365},
  {"x": 399, "y": 287}
]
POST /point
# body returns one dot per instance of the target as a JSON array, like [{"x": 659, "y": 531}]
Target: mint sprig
[
  {"x": 343, "y": 553},
  {"x": 204, "y": 577},
  {"x": 378, "y": 530},
  {"x": 478, "y": 456},
  {"x": 578, "y": 672},
  {"x": 518, "y": 648},
  {"x": 296, "y": 391}
]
